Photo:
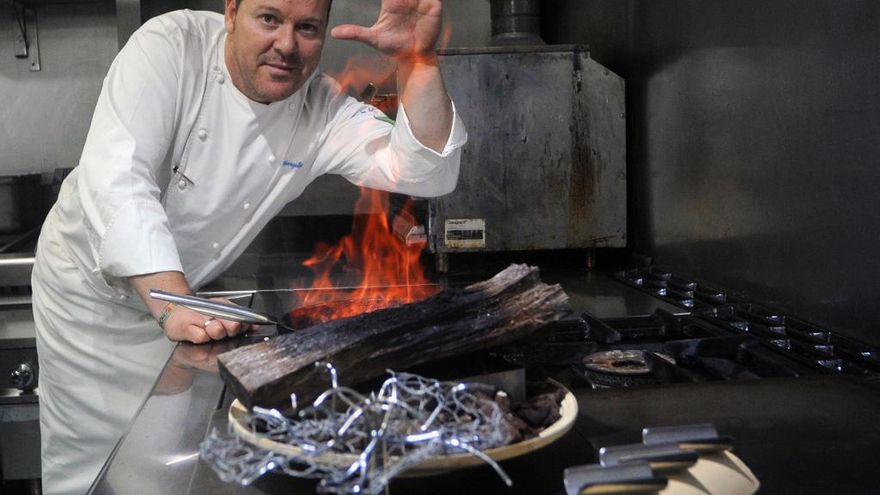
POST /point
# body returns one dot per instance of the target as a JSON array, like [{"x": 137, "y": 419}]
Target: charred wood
[{"x": 505, "y": 308}]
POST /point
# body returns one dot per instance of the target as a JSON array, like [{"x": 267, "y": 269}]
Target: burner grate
[{"x": 818, "y": 348}]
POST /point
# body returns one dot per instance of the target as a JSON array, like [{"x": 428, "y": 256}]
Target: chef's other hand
[
  {"x": 407, "y": 30},
  {"x": 184, "y": 324},
  {"x": 203, "y": 357}
]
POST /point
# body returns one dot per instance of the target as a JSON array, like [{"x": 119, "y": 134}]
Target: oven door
[{"x": 19, "y": 405}]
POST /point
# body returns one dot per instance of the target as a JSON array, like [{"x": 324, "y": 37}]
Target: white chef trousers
[{"x": 98, "y": 361}]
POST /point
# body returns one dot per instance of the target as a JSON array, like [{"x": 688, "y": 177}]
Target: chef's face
[{"x": 273, "y": 46}]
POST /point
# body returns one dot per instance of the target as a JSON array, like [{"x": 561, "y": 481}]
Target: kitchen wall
[
  {"x": 45, "y": 115},
  {"x": 753, "y": 142}
]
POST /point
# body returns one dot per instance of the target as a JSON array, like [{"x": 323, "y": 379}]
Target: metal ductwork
[{"x": 516, "y": 22}]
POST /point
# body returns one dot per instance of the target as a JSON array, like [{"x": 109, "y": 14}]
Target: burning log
[{"x": 505, "y": 308}]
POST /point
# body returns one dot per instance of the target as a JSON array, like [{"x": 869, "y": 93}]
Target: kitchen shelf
[{"x": 128, "y": 13}]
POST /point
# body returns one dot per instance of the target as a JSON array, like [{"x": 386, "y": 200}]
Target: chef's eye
[
  {"x": 269, "y": 19},
  {"x": 309, "y": 29}
]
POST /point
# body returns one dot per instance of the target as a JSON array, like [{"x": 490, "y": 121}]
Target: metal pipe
[
  {"x": 242, "y": 293},
  {"x": 516, "y": 22},
  {"x": 15, "y": 270},
  {"x": 16, "y": 261}
]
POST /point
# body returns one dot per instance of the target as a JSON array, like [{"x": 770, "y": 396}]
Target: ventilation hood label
[{"x": 466, "y": 233}]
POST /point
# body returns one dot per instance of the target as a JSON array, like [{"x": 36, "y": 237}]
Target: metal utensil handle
[
  {"x": 244, "y": 293},
  {"x": 214, "y": 308}
]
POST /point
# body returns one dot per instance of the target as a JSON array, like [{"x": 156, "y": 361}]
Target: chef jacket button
[
  {"x": 291, "y": 106},
  {"x": 181, "y": 184},
  {"x": 202, "y": 133},
  {"x": 221, "y": 78},
  {"x": 246, "y": 206},
  {"x": 271, "y": 158},
  {"x": 123, "y": 297},
  {"x": 216, "y": 245}
]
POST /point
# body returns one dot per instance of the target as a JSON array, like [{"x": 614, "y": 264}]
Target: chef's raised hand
[{"x": 406, "y": 30}]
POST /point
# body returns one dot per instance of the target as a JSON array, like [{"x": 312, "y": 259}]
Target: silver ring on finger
[{"x": 208, "y": 322}]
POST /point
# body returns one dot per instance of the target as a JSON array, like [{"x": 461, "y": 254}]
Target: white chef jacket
[{"x": 179, "y": 172}]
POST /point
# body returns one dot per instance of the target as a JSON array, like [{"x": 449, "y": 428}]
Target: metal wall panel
[
  {"x": 600, "y": 24},
  {"x": 752, "y": 142},
  {"x": 756, "y": 130}
]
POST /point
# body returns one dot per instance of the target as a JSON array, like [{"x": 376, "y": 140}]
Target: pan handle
[{"x": 214, "y": 308}]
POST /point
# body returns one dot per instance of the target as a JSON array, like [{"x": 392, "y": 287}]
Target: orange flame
[
  {"x": 446, "y": 36},
  {"x": 385, "y": 269}
]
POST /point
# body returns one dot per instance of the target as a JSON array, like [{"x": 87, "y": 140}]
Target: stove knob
[{"x": 22, "y": 377}]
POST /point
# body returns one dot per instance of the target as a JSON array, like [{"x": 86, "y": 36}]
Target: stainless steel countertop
[
  {"x": 159, "y": 453},
  {"x": 811, "y": 435}
]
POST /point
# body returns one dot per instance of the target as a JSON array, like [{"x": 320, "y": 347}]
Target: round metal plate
[{"x": 568, "y": 411}]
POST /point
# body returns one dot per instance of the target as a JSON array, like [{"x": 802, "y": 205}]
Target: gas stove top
[
  {"x": 813, "y": 345},
  {"x": 718, "y": 337}
]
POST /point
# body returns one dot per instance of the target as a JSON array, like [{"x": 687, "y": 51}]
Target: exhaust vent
[{"x": 516, "y": 22}]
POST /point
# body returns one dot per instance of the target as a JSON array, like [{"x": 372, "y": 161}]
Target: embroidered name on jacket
[{"x": 290, "y": 164}]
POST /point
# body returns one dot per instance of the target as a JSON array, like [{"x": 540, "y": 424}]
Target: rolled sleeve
[
  {"x": 457, "y": 135},
  {"x": 371, "y": 151}
]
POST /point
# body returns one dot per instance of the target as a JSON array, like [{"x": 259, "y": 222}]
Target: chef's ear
[{"x": 231, "y": 10}]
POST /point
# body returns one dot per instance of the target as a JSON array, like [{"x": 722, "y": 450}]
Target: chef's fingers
[
  {"x": 187, "y": 332},
  {"x": 231, "y": 328},
  {"x": 185, "y": 324},
  {"x": 196, "y": 333},
  {"x": 215, "y": 329}
]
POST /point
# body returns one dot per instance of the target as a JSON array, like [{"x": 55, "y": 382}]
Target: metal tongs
[{"x": 217, "y": 309}]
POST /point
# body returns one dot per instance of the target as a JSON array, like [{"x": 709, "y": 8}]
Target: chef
[{"x": 206, "y": 126}]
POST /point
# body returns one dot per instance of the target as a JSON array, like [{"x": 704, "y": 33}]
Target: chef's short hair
[{"x": 329, "y": 4}]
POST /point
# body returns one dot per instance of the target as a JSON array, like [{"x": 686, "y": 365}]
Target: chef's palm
[{"x": 405, "y": 30}]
